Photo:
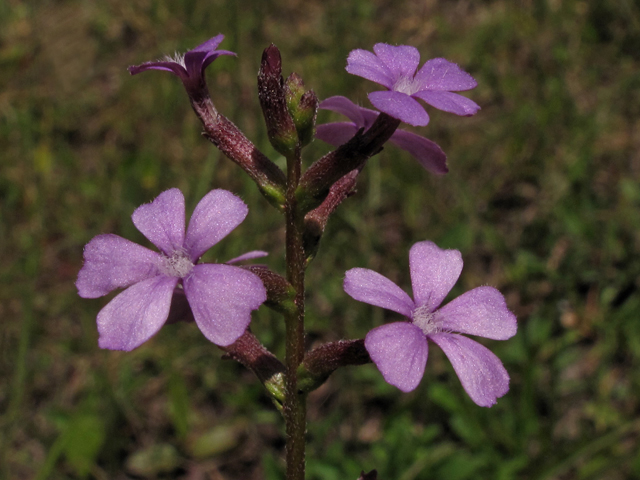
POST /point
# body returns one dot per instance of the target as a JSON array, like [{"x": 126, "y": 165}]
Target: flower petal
[
  {"x": 221, "y": 299},
  {"x": 217, "y": 214},
  {"x": 346, "y": 107},
  {"x": 194, "y": 63},
  {"x": 481, "y": 373},
  {"x": 367, "y": 65},
  {"x": 136, "y": 314},
  {"x": 402, "y": 60},
  {"x": 441, "y": 74},
  {"x": 112, "y": 262},
  {"x": 211, "y": 56},
  {"x": 210, "y": 45},
  {"x": 428, "y": 153},
  {"x": 449, "y": 102},
  {"x": 209, "y": 48},
  {"x": 401, "y": 106},
  {"x": 336, "y": 133},
  {"x": 162, "y": 221},
  {"x": 370, "y": 287},
  {"x": 434, "y": 272},
  {"x": 168, "y": 66},
  {"x": 370, "y": 116},
  {"x": 400, "y": 352},
  {"x": 481, "y": 311},
  {"x": 248, "y": 256}
]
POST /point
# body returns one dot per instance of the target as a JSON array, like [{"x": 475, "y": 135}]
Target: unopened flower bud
[
  {"x": 303, "y": 107},
  {"x": 280, "y": 126}
]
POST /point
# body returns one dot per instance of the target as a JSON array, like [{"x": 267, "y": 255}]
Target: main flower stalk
[
  {"x": 294, "y": 409},
  {"x": 283, "y": 135}
]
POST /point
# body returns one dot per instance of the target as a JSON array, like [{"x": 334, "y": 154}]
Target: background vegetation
[{"x": 542, "y": 199}]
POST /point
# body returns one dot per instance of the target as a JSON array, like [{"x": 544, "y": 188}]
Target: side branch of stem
[{"x": 232, "y": 142}]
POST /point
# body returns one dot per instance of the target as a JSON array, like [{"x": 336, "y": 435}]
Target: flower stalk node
[{"x": 353, "y": 155}]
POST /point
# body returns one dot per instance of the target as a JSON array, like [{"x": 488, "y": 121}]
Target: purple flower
[
  {"x": 221, "y": 297},
  {"x": 428, "y": 153},
  {"x": 395, "y": 68},
  {"x": 400, "y": 349},
  {"x": 190, "y": 66}
]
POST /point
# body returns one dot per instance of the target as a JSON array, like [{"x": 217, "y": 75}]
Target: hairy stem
[
  {"x": 252, "y": 354},
  {"x": 294, "y": 409},
  {"x": 231, "y": 141}
]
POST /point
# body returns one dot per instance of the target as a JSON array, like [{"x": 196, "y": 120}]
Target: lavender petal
[
  {"x": 367, "y": 65},
  {"x": 211, "y": 56},
  {"x": 336, "y": 133},
  {"x": 217, "y": 214},
  {"x": 221, "y": 299},
  {"x": 481, "y": 311},
  {"x": 402, "y": 60},
  {"x": 370, "y": 287},
  {"x": 167, "y": 66},
  {"x": 253, "y": 254},
  {"x": 162, "y": 221},
  {"x": 136, "y": 314},
  {"x": 443, "y": 75},
  {"x": 401, "y": 106},
  {"x": 400, "y": 352},
  {"x": 434, "y": 272},
  {"x": 194, "y": 63},
  {"x": 112, "y": 262},
  {"x": 481, "y": 373},
  {"x": 428, "y": 153},
  {"x": 449, "y": 102},
  {"x": 344, "y": 106},
  {"x": 210, "y": 45}
]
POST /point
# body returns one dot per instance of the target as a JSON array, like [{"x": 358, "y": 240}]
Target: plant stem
[
  {"x": 231, "y": 141},
  {"x": 294, "y": 409}
]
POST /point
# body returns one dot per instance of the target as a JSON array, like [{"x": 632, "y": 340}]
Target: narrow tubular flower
[
  {"x": 395, "y": 68},
  {"x": 221, "y": 297},
  {"x": 428, "y": 153},
  {"x": 189, "y": 67},
  {"x": 400, "y": 349}
]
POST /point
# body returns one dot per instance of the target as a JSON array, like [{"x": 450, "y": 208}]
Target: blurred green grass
[{"x": 542, "y": 199}]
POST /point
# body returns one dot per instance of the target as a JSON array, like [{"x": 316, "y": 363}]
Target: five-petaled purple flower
[
  {"x": 190, "y": 66},
  {"x": 221, "y": 297},
  {"x": 395, "y": 68},
  {"x": 428, "y": 153},
  {"x": 400, "y": 349}
]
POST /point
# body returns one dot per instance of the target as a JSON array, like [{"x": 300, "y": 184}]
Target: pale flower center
[
  {"x": 424, "y": 319},
  {"x": 405, "y": 85},
  {"x": 177, "y": 265}
]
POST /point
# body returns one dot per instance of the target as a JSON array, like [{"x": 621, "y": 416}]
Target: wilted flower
[
  {"x": 400, "y": 349},
  {"x": 221, "y": 297},
  {"x": 189, "y": 66},
  {"x": 428, "y": 153},
  {"x": 395, "y": 68}
]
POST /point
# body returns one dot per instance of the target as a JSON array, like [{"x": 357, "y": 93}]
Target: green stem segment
[{"x": 295, "y": 409}]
